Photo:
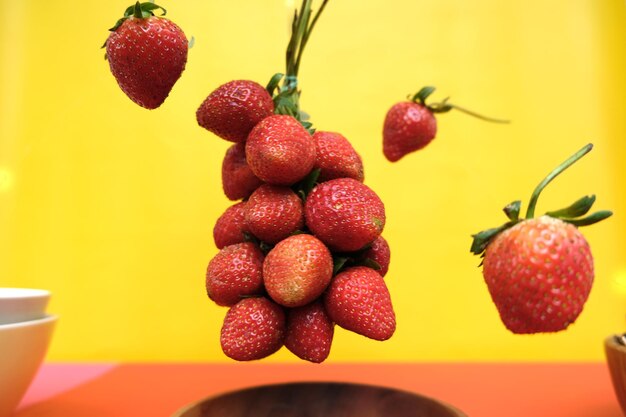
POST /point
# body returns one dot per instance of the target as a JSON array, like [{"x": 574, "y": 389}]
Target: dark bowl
[
  {"x": 319, "y": 399},
  {"x": 616, "y": 359}
]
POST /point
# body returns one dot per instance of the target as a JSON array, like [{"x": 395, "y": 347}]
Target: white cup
[{"x": 22, "y": 304}]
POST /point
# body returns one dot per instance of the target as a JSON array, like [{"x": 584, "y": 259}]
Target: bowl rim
[
  {"x": 184, "y": 409},
  {"x": 28, "y": 323},
  {"x": 15, "y": 293}
]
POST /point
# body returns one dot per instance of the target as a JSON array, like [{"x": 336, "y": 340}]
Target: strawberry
[
  {"x": 235, "y": 272},
  {"x": 358, "y": 300},
  {"x": 253, "y": 329},
  {"x": 280, "y": 150},
  {"x": 309, "y": 332},
  {"x": 297, "y": 270},
  {"x": 344, "y": 214},
  {"x": 147, "y": 54},
  {"x": 238, "y": 180},
  {"x": 379, "y": 252},
  {"x": 273, "y": 213},
  {"x": 230, "y": 227},
  {"x": 234, "y": 108},
  {"x": 539, "y": 271},
  {"x": 336, "y": 158}
]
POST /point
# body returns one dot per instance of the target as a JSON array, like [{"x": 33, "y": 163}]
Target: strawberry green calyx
[
  {"x": 444, "y": 106},
  {"x": 572, "y": 214},
  {"x": 138, "y": 11}
]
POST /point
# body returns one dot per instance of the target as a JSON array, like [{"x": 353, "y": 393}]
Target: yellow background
[{"x": 111, "y": 206}]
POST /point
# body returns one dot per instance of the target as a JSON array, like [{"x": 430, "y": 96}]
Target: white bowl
[
  {"x": 22, "y": 304},
  {"x": 22, "y": 349}
]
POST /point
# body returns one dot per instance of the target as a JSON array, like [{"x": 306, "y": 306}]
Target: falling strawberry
[
  {"x": 146, "y": 54},
  {"x": 309, "y": 332},
  {"x": 411, "y": 125},
  {"x": 539, "y": 271}
]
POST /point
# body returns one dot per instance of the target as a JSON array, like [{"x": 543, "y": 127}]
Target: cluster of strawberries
[{"x": 303, "y": 249}]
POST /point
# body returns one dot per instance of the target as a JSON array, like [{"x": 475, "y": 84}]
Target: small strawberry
[
  {"x": 273, "y": 213},
  {"x": 358, "y": 300},
  {"x": 344, "y": 214},
  {"x": 235, "y": 272},
  {"x": 336, "y": 158},
  {"x": 146, "y": 54},
  {"x": 379, "y": 252},
  {"x": 234, "y": 108},
  {"x": 238, "y": 180},
  {"x": 230, "y": 227},
  {"x": 297, "y": 270},
  {"x": 280, "y": 150},
  {"x": 539, "y": 271},
  {"x": 253, "y": 329},
  {"x": 309, "y": 332},
  {"x": 411, "y": 125}
]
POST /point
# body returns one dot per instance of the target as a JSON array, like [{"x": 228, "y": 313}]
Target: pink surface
[{"x": 56, "y": 378}]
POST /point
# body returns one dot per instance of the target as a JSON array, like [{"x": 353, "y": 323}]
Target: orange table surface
[{"x": 480, "y": 390}]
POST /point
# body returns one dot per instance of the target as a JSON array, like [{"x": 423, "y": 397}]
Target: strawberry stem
[
  {"x": 137, "y": 12},
  {"x": 530, "y": 213}
]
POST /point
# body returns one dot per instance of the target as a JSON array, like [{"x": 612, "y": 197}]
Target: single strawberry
[
  {"x": 309, "y": 332},
  {"x": 379, "y": 252},
  {"x": 230, "y": 227},
  {"x": 280, "y": 150},
  {"x": 411, "y": 125},
  {"x": 253, "y": 329},
  {"x": 344, "y": 214},
  {"x": 147, "y": 54},
  {"x": 238, "y": 180},
  {"x": 358, "y": 300},
  {"x": 297, "y": 270},
  {"x": 336, "y": 158},
  {"x": 539, "y": 271},
  {"x": 273, "y": 213},
  {"x": 234, "y": 108},
  {"x": 235, "y": 272}
]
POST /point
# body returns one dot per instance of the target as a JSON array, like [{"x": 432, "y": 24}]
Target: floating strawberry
[
  {"x": 539, "y": 271},
  {"x": 273, "y": 213},
  {"x": 358, "y": 300},
  {"x": 336, "y": 158},
  {"x": 146, "y": 54},
  {"x": 230, "y": 227},
  {"x": 344, "y": 214},
  {"x": 411, "y": 125},
  {"x": 297, "y": 270},
  {"x": 238, "y": 180},
  {"x": 253, "y": 329},
  {"x": 234, "y": 108},
  {"x": 309, "y": 332}
]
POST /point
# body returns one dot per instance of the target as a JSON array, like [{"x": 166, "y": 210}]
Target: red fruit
[
  {"x": 146, "y": 55},
  {"x": 408, "y": 127},
  {"x": 309, "y": 332},
  {"x": 238, "y": 180},
  {"x": 358, "y": 300},
  {"x": 280, "y": 150},
  {"x": 336, "y": 158},
  {"x": 345, "y": 214},
  {"x": 379, "y": 253},
  {"x": 235, "y": 272},
  {"x": 234, "y": 108},
  {"x": 273, "y": 213},
  {"x": 297, "y": 270},
  {"x": 253, "y": 329},
  {"x": 230, "y": 227},
  {"x": 539, "y": 274}
]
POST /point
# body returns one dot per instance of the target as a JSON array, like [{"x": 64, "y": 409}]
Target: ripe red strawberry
[
  {"x": 539, "y": 271},
  {"x": 408, "y": 127},
  {"x": 344, "y": 214},
  {"x": 297, "y": 270},
  {"x": 230, "y": 227},
  {"x": 273, "y": 213},
  {"x": 309, "y": 332},
  {"x": 379, "y": 253},
  {"x": 234, "y": 108},
  {"x": 253, "y": 329},
  {"x": 238, "y": 180},
  {"x": 358, "y": 300},
  {"x": 146, "y": 54},
  {"x": 336, "y": 158},
  {"x": 235, "y": 272},
  {"x": 280, "y": 150}
]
